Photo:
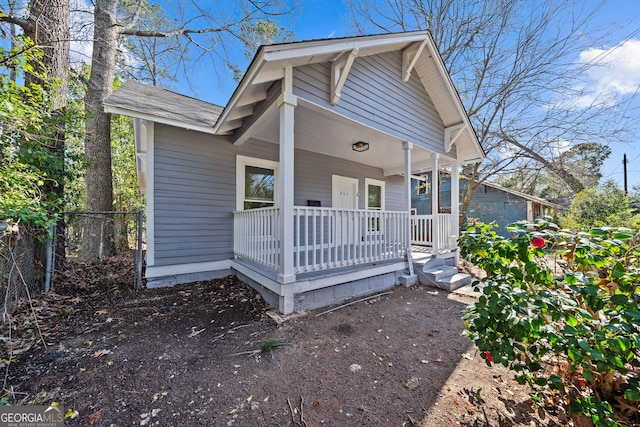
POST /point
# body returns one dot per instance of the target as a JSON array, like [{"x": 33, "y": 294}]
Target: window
[
  {"x": 257, "y": 183},
  {"x": 374, "y": 190}
]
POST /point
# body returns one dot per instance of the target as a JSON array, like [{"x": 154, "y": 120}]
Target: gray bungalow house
[{"x": 301, "y": 184}]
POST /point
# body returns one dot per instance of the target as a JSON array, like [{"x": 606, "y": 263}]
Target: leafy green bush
[
  {"x": 32, "y": 156},
  {"x": 560, "y": 309}
]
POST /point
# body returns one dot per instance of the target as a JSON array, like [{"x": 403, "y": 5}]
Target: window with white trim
[
  {"x": 374, "y": 193},
  {"x": 256, "y": 183}
]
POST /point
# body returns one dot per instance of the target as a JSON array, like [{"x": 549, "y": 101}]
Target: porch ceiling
[{"x": 324, "y": 132}]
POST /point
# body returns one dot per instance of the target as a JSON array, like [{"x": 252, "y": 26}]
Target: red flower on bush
[
  {"x": 487, "y": 356},
  {"x": 538, "y": 242}
]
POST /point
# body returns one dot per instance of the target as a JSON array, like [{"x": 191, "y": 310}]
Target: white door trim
[{"x": 335, "y": 179}]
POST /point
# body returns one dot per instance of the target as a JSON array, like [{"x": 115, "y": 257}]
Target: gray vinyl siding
[
  {"x": 313, "y": 179},
  {"x": 374, "y": 94},
  {"x": 195, "y": 194},
  {"x": 195, "y": 190}
]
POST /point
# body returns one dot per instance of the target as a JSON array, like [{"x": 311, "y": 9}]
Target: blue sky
[
  {"x": 619, "y": 57},
  {"x": 318, "y": 19}
]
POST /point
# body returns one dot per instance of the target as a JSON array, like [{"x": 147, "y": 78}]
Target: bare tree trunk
[
  {"x": 98, "y": 123},
  {"x": 49, "y": 28},
  {"x": 554, "y": 168}
]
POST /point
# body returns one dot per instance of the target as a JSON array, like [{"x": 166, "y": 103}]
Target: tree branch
[
  {"x": 26, "y": 24},
  {"x": 171, "y": 33}
]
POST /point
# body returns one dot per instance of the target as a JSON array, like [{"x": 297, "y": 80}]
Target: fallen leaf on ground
[
  {"x": 71, "y": 413},
  {"x": 93, "y": 418},
  {"x": 101, "y": 353}
]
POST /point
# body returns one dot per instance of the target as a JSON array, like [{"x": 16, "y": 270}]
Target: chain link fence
[
  {"x": 28, "y": 265},
  {"x": 19, "y": 275},
  {"x": 91, "y": 235}
]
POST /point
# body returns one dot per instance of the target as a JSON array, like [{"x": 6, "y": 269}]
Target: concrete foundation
[{"x": 177, "y": 279}]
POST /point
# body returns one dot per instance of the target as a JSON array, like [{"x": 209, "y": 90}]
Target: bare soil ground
[{"x": 208, "y": 354}]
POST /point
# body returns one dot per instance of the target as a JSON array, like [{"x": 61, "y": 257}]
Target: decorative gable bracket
[
  {"x": 339, "y": 71},
  {"x": 452, "y": 133},
  {"x": 410, "y": 57}
]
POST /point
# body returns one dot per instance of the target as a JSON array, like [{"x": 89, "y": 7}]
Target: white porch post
[
  {"x": 435, "y": 195},
  {"x": 407, "y": 147},
  {"x": 286, "y": 104},
  {"x": 455, "y": 200}
]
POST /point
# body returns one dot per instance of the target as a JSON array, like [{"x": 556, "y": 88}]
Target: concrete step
[
  {"x": 439, "y": 272},
  {"x": 454, "y": 282}
]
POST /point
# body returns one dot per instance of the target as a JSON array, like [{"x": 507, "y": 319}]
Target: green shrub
[{"x": 560, "y": 309}]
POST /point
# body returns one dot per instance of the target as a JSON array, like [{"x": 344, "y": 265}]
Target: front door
[{"x": 345, "y": 196}]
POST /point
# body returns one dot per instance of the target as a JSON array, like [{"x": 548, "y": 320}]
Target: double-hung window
[{"x": 256, "y": 183}]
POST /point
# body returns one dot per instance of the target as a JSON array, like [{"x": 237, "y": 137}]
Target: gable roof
[
  {"x": 419, "y": 53},
  {"x": 525, "y": 196},
  {"x": 143, "y": 101},
  {"x": 270, "y": 62}
]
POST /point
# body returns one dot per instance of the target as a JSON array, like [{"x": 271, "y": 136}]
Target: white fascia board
[
  {"x": 453, "y": 93},
  {"x": 247, "y": 81},
  {"x": 157, "y": 119},
  {"x": 329, "y": 46}
]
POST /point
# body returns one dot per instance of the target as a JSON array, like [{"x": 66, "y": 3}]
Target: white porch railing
[
  {"x": 328, "y": 238},
  {"x": 422, "y": 231},
  {"x": 256, "y": 236},
  {"x": 324, "y": 238}
]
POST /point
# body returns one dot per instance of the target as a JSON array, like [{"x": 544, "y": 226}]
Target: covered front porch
[
  {"x": 330, "y": 238},
  {"x": 353, "y": 126}
]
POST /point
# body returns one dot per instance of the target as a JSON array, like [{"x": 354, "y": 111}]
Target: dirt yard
[{"x": 209, "y": 354}]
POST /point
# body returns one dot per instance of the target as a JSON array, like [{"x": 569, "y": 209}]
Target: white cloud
[{"x": 611, "y": 73}]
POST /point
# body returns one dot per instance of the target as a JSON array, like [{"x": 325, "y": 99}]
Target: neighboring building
[
  {"x": 301, "y": 184},
  {"x": 490, "y": 202}
]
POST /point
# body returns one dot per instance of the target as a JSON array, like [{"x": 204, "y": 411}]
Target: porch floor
[{"x": 319, "y": 274}]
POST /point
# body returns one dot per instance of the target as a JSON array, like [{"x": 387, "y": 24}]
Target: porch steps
[{"x": 436, "y": 272}]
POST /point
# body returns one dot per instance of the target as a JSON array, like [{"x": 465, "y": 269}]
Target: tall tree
[
  {"x": 515, "y": 64},
  {"x": 47, "y": 25},
  {"x": 212, "y": 32}
]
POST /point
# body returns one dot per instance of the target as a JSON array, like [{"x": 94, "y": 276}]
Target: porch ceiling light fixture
[{"x": 360, "y": 146}]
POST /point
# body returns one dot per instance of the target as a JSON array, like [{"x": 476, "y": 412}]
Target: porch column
[
  {"x": 455, "y": 200},
  {"x": 435, "y": 195},
  {"x": 455, "y": 190},
  {"x": 407, "y": 147},
  {"x": 286, "y": 104}
]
